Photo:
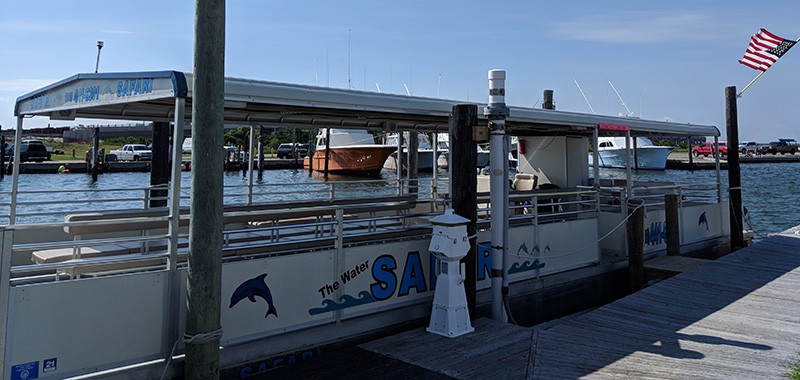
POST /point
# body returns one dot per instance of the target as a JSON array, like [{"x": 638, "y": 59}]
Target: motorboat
[
  {"x": 611, "y": 152},
  {"x": 352, "y": 152},
  {"x": 425, "y": 152},
  {"x": 444, "y": 147}
]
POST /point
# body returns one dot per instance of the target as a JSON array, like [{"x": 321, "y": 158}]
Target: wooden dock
[{"x": 736, "y": 317}]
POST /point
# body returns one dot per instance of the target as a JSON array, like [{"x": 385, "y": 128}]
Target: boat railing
[
  {"x": 247, "y": 233},
  {"x": 545, "y": 206},
  {"x": 614, "y": 198},
  {"x": 44, "y": 206}
]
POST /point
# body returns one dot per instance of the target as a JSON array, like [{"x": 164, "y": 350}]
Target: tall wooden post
[
  {"x": 635, "y": 229},
  {"x": 689, "y": 146},
  {"x": 205, "y": 233},
  {"x": 734, "y": 171},
  {"x": 327, "y": 150},
  {"x": 260, "y": 152},
  {"x": 95, "y": 169},
  {"x": 464, "y": 187},
  {"x": 160, "y": 168},
  {"x": 2, "y": 156},
  {"x": 548, "y": 102},
  {"x": 413, "y": 162},
  {"x": 672, "y": 219}
]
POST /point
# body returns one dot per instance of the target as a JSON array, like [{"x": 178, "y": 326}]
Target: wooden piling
[
  {"x": 2, "y": 156},
  {"x": 160, "y": 169},
  {"x": 635, "y": 229},
  {"x": 204, "y": 273},
  {"x": 547, "y": 102},
  {"x": 671, "y": 207},
  {"x": 95, "y": 165},
  {"x": 464, "y": 187},
  {"x": 260, "y": 152},
  {"x": 413, "y": 162},
  {"x": 327, "y": 150},
  {"x": 734, "y": 171}
]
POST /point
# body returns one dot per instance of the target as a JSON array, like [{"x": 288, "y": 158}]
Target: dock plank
[{"x": 736, "y": 317}]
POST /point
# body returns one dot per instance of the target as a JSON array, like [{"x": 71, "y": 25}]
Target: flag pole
[{"x": 739, "y": 95}]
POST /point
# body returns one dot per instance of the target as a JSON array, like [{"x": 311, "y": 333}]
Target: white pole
[
  {"x": 12, "y": 216},
  {"x": 249, "y": 157},
  {"x": 496, "y": 111},
  {"x": 174, "y": 229}
]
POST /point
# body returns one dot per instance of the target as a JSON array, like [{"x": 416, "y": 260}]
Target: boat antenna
[
  {"x": 407, "y": 91},
  {"x": 349, "y": 82},
  {"x": 620, "y": 99},
  {"x": 438, "y": 83},
  {"x": 378, "y": 87},
  {"x": 584, "y": 95},
  {"x": 316, "y": 76}
]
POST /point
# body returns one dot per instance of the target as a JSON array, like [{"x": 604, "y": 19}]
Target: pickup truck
[
  {"x": 709, "y": 149},
  {"x": 133, "y": 152},
  {"x": 751, "y": 147},
  {"x": 781, "y": 146}
]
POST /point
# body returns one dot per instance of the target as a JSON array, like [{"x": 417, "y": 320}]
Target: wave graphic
[
  {"x": 525, "y": 266},
  {"x": 345, "y": 301}
]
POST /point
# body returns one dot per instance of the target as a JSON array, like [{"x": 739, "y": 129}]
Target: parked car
[
  {"x": 133, "y": 152},
  {"x": 709, "y": 149},
  {"x": 750, "y": 147},
  {"x": 781, "y": 146},
  {"x": 286, "y": 150},
  {"x": 29, "y": 152}
]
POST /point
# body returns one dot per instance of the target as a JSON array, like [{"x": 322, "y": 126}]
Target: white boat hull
[{"x": 650, "y": 157}]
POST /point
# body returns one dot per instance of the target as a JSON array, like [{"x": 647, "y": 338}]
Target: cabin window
[{"x": 605, "y": 144}]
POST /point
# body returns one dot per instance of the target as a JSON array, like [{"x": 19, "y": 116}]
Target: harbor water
[{"x": 767, "y": 190}]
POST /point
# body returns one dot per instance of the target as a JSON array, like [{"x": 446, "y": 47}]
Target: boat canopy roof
[{"x": 150, "y": 96}]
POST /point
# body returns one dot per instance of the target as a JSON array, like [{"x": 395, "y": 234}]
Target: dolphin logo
[
  {"x": 703, "y": 220},
  {"x": 252, "y": 288}
]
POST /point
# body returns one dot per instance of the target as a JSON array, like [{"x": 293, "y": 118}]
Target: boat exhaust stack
[{"x": 496, "y": 111}]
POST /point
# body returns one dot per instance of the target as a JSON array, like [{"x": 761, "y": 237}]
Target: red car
[{"x": 709, "y": 149}]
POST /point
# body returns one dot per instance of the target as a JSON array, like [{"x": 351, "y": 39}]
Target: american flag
[{"x": 765, "y": 48}]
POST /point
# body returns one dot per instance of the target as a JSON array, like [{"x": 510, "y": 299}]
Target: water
[{"x": 770, "y": 192}]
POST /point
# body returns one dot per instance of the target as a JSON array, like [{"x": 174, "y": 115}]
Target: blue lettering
[
  {"x": 484, "y": 260},
  {"x": 134, "y": 86},
  {"x": 385, "y": 279},
  {"x": 245, "y": 371},
  {"x": 413, "y": 276}
]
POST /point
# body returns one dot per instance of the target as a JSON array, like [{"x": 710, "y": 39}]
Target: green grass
[{"x": 794, "y": 370}]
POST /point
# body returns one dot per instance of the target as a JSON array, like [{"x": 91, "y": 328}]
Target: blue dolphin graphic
[
  {"x": 252, "y": 288},
  {"x": 703, "y": 220}
]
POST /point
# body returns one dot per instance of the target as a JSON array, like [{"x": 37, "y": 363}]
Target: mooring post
[
  {"x": 635, "y": 231},
  {"x": 2, "y": 156},
  {"x": 464, "y": 187},
  {"x": 203, "y": 329},
  {"x": 547, "y": 102},
  {"x": 260, "y": 152},
  {"x": 160, "y": 169},
  {"x": 689, "y": 146},
  {"x": 95, "y": 169},
  {"x": 327, "y": 150},
  {"x": 413, "y": 162},
  {"x": 312, "y": 149},
  {"x": 734, "y": 171},
  {"x": 672, "y": 219}
]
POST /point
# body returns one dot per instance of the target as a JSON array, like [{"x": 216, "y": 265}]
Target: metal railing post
[
  {"x": 12, "y": 216},
  {"x": 173, "y": 290},
  {"x": 6, "y": 245}
]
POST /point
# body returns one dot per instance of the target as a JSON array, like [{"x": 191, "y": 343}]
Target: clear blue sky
[{"x": 668, "y": 59}]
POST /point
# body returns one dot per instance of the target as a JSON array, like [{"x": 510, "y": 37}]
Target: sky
[{"x": 669, "y": 60}]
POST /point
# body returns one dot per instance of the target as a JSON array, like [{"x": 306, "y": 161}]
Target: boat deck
[{"x": 736, "y": 317}]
